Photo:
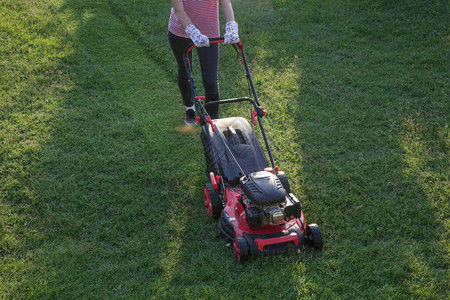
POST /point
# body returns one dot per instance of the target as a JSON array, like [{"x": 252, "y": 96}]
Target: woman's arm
[
  {"x": 178, "y": 7},
  {"x": 193, "y": 33},
  {"x": 228, "y": 10},
  {"x": 231, "y": 35}
]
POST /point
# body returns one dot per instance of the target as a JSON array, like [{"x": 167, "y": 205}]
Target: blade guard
[{"x": 261, "y": 243}]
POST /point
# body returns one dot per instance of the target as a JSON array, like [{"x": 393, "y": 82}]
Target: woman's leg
[
  {"x": 209, "y": 61},
  {"x": 178, "y": 45}
]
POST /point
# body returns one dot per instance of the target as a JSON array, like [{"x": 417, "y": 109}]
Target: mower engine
[{"x": 266, "y": 202}]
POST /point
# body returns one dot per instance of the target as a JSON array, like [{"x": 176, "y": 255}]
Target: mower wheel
[
  {"x": 213, "y": 204},
  {"x": 314, "y": 235},
  {"x": 284, "y": 181},
  {"x": 240, "y": 249}
]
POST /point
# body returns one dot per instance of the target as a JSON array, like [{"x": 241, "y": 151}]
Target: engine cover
[{"x": 263, "y": 188}]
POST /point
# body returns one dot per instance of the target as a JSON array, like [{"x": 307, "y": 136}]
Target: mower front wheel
[
  {"x": 211, "y": 198},
  {"x": 314, "y": 235},
  {"x": 240, "y": 249}
]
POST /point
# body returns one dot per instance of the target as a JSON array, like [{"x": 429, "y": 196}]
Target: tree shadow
[{"x": 107, "y": 195}]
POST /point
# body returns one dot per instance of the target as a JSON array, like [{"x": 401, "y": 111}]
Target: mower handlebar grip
[{"x": 217, "y": 40}]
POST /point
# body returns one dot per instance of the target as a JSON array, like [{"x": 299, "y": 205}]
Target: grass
[{"x": 101, "y": 189}]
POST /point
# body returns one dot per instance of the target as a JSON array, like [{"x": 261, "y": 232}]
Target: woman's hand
[
  {"x": 231, "y": 33},
  {"x": 197, "y": 37}
]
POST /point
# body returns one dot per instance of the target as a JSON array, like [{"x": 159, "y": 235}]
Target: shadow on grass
[{"x": 115, "y": 174}]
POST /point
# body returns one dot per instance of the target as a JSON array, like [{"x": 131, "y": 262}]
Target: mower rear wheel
[
  {"x": 240, "y": 249},
  {"x": 211, "y": 198},
  {"x": 314, "y": 235}
]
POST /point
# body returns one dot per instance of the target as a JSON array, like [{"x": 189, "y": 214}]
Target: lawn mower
[{"x": 256, "y": 211}]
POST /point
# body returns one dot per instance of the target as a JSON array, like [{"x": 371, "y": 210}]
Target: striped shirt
[{"x": 204, "y": 15}]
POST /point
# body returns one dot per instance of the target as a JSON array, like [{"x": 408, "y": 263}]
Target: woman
[{"x": 197, "y": 21}]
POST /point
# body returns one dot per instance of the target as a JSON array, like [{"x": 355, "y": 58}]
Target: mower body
[
  {"x": 258, "y": 214},
  {"x": 260, "y": 238}
]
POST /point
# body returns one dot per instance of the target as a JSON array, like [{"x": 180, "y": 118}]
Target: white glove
[
  {"x": 231, "y": 33},
  {"x": 195, "y": 35}
]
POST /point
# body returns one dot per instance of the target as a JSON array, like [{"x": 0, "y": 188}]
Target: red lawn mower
[{"x": 258, "y": 214}]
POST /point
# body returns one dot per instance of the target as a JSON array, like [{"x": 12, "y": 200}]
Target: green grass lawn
[{"x": 101, "y": 189}]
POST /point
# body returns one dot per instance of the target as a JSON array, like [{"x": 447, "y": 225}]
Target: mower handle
[
  {"x": 259, "y": 111},
  {"x": 217, "y": 40}
]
